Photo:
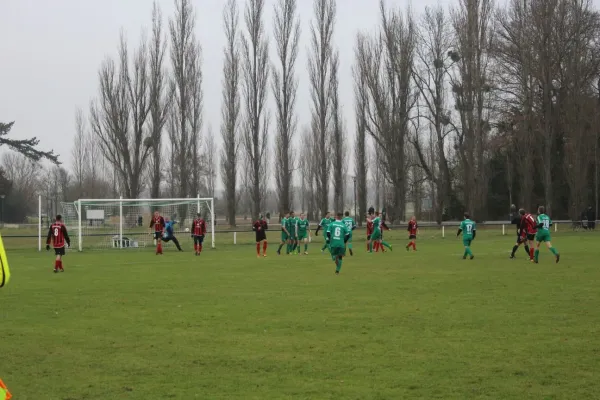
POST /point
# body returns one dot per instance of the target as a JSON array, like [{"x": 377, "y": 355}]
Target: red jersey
[
  {"x": 58, "y": 235},
  {"x": 370, "y": 227},
  {"x": 528, "y": 224},
  {"x": 260, "y": 225},
  {"x": 198, "y": 227},
  {"x": 412, "y": 227},
  {"x": 158, "y": 223}
]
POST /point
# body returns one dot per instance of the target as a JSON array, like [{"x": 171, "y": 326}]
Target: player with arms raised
[
  {"x": 59, "y": 237},
  {"x": 337, "y": 236},
  {"x": 543, "y": 235},
  {"x": 158, "y": 224},
  {"x": 469, "y": 230},
  {"x": 260, "y": 228},
  {"x": 198, "y": 233},
  {"x": 413, "y": 231},
  {"x": 350, "y": 225}
]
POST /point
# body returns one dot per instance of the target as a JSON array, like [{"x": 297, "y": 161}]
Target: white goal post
[{"x": 124, "y": 223}]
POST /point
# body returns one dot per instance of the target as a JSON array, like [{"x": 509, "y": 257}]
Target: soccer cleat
[
  {"x": 55, "y": 270},
  {"x": 512, "y": 256},
  {"x": 264, "y": 255},
  {"x": 472, "y": 257},
  {"x": 406, "y": 248},
  {"x": 337, "y": 272},
  {"x": 536, "y": 261},
  {"x": 351, "y": 253},
  {"x": 557, "y": 258},
  {"x": 278, "y": 252},
  {"x": 464, "y": 257},
  {"x": 62, "y": 270},
  {"x": 306, "y": 253}
]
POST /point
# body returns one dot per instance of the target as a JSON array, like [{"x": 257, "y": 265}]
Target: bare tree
[
  {"x": 255, "y": 52},
  {"x": 285, "y": 85},
  {"x": 210, "y": 163},
  {"x": 386, "y": 62},
  {"x": 471, "y": 86},
  {"x": 360, "y": 144},
  {"x": 230, "y": 109},
  {"x": 430, "y": 74},
  {"x": 119, "y": 115},
  {"x": 319, "y": 69},
  {"x": 79, "y": 151},
  {"x": 185, "y": 121},
  {"x": 24, "y": 173},
  {"x": 338, "y": 138},
  {"x": 160, "y": 98}
]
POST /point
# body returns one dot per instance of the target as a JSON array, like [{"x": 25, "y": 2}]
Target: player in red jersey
[
  {"x": 413, "y": 231},
  {"x": 529, "y": 228},
  {"x": 260, "y": 228},
  {"x": 58, "y": 235},
  {"x": 522, "y": 236},
  {"x": 198, "y": 232},
  {"x": 158, "y": 224}
]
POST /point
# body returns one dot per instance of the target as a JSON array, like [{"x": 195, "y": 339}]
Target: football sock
[
  {"x": 414, "y": 245},
  {"x": 536, "y": 254},
  {"x": 386, "y": 244},
  {"x": 371, "y": 247},
  {"x": 258, "y": 248},
  {"x": 305, "y": 247},
  {"x": 294, "y": 247},
  {"x": 324, "y": 247},
  {"x": 55, "y": 264},
  {"x": 514, "y": 250},
  {"x": 526, "y": 249},
  {"x": 195, "y": 247},
  {"x": 199, "y": 248},
  {"x": 60, "y": 264},
  {"x": 265, "y": 247},
  {"x": 465, "y": 253},
  {"x": 159, "y": 248},
  {"x": 338, "y": 265},
  {"x": 350, "y": 245},
  {"x": 553, "y": 250},
  {"x": 531, "y": 252},
  {"x": 176, "y": 243},
  {"x": 377, "y": 245}
]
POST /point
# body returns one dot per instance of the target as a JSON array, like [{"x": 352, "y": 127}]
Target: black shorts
[
  {"x": 412, "y": 237},
  {"x": 260, "y": 236},
  {"x": 368, "y": 237},
  {"x": 158, "y": 235},
  {"x": 59, "y": 251},
  {"x": 198, "y": 239},
  {"x": 521, "y": 239},
  {"x": 531, "y": 236}
]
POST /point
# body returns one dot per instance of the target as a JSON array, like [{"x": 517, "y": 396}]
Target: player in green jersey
[
  {"x": 350, "y": 225},
  {"x": 291, "y": 228},
  {"x": 303, "y": 232},
  {"x": 337, "y": 236},
  {"x": 469, "y": 230},
  {"x": 376, "y": 235},
  {"x": 285, "y": 235},
  {"x": 543, "y": 235},
  {"x": 324, "y": 224}
]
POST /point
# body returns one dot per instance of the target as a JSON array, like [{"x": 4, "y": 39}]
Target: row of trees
[{"x": 474, "y": 108}]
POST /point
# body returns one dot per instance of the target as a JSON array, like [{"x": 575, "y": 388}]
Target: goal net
[{"x": 124, "y": 223}]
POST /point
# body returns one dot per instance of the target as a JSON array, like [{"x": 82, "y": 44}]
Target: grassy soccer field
[{"x": 226, "y": 325}]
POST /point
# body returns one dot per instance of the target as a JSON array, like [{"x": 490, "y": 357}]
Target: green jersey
[
  {"x": 350, "y": 224},
  {"x": 377, "y": 225},
  {"x": 303, "y": 226},
  {"x": 544, "y": 222},
  {"x": 468, "y": 227},
  {"x": 337, "y": 233},
  {"x": 284, "y": 223},
  {"x": 291, "y": 225},
  {"x": 325, "y": 223}
]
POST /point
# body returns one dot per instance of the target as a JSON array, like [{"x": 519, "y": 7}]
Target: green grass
[{"x": 226, "y": 325}]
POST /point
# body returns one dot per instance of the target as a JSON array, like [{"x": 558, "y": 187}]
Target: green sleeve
[
  {"x": 474, "y": 226},
  {"x": 462, "y": 226}
]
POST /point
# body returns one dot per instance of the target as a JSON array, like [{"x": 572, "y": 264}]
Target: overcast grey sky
[{"x": 51, "y": 50}]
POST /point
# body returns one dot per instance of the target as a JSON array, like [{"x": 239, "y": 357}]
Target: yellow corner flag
[
  {"x": 4, "y": 393},
  {"x": 4, "y": 271}
]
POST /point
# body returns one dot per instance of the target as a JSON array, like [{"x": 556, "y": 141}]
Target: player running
[
  {"x": 543, "y": 235},
  {"x": 469, "y": 231},
  {"x": 413, "y": 231},
  {"x": 324, "y": 224},
  {"x": 198, "y": 233},
  {"x": 526, "y": 234},
  {"x": 169, "y": 233},
  {"x": 337, "y": 236},
  {"x": 260, "y": 228},
  {"x": 58, "y": 235},
  {"x": 376, "y": 236},
  {"x": 158, "y": 223},
  {"x": 284, "y": 232},
  {"x": 303, "y": 232},
  {"x": 350, "y": 225}
]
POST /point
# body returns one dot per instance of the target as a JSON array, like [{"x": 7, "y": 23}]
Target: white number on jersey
[
  {"x": 55, "y": 231},
  {"x": 469, "y": 228},
  {"x": 348, "y": 224},
  {"x": 546, "y": 224},
  {"x": 337, "y": 233}
]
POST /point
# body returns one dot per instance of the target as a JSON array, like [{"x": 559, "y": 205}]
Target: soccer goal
[{"x": 124, "y": 223}]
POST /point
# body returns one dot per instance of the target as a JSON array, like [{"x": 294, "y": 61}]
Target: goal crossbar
[{"x": 209, "y": 201}]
